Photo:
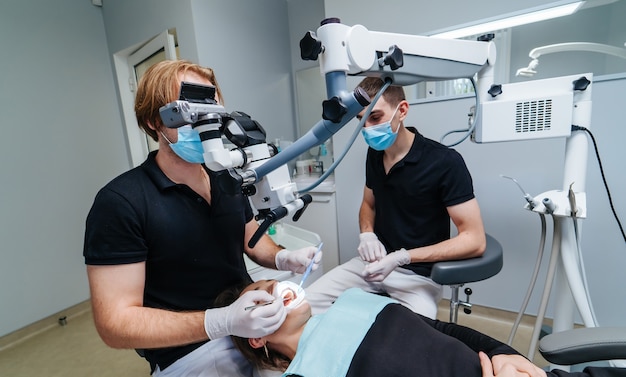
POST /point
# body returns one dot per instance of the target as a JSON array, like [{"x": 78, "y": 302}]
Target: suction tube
[{"x": 533, "y": 280}]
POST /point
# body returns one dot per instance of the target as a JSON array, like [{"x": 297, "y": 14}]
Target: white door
[{"x": 130, "y": 67}]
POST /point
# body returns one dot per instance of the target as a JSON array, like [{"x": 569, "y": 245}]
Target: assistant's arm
[
  {"x": 470, "y": 241},
  {"x": 366, "y": 211},
  {"x": 123, "y": 322},
  {"x": 370, "y": 248}
]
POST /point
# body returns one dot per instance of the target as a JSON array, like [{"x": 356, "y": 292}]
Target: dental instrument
[
  {"x": 289, "y": 291},
  {"x": 527, "y": 196},
  {"x": 263, "y": 304},
  {"x": 307, "y": 272}
]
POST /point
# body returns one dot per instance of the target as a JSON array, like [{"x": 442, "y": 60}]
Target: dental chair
[
  {"x": 583, "y": 345},
  {"x": 457, "y": 273}
]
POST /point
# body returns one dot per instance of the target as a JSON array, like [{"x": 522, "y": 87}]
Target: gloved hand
[
  {"x": 370, "y": 248},
  {"x": 252, "y": 323},
  {"x": 297, "y": 260},
  {"x": 377, "y": 271}
]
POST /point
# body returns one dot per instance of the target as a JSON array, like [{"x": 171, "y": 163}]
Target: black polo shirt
[
  {"x": 192, "y": 250},
  {"x": 411, "y": 200}
]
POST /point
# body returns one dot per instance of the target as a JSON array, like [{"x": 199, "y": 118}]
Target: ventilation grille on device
[{"x": 533, "y": 116}]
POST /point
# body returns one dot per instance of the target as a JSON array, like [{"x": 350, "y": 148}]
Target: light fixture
[{"x": 527, "y": 16}]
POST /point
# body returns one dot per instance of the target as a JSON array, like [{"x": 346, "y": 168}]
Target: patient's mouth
[
  {"x": 291, "y": 294},
  {"x": 288, "y": 296}
]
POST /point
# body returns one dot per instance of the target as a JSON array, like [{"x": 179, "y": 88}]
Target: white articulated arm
[
  {"x": 358, "y": 51},
  {"x": 404, "y": 59},
  {"x": 578, "y": 46},
  {"x": 568, "y": 47}
]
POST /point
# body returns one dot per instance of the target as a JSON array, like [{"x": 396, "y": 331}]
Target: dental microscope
[{"x": 255, "y": 168}]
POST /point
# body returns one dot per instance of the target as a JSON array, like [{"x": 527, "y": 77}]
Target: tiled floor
[
  {"x": 76, "y": 350},
  {"x": 70, "y": 351}
]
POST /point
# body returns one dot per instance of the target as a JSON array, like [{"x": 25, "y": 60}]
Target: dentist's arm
[
  {"x": 268, "y": 254},
  {"x": 123, "y": 322}
]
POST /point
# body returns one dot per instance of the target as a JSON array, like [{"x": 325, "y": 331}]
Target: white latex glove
[
  {"x": 377, "y": 271},
  {"x": 370, "y": 248},
  {"x": 297, "y": 260},
  {"x": 252, "y": 323}
]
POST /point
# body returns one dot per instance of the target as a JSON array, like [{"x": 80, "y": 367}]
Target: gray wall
[
  {"x": 418, "y": 17},
  {"x": 62, "y": 140},
  {"x": 537, "y": 164},
  {"x": 247, "y": 44},
  {"x": 63, "y": 125}
]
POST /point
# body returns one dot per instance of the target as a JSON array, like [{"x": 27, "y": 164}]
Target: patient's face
[{"x": 296, "y": 316}]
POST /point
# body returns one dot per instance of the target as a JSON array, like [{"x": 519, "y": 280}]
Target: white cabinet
[{"x": 320, "y": 217}]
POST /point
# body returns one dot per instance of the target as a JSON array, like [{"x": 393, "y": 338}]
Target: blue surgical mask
[
  {"x": 381, "y": 136},
  {"x": 188, "y": 147}
]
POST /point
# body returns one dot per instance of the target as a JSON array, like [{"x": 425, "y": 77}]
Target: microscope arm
[
  {"x": 275, "y": 214},
  {"x": 343, "y": 50},
  {"x": 404, "y": 59},
  {"x": 350, "y": 103}
]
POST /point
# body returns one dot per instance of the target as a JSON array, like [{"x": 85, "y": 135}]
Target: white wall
[{"x": 62, "y": 140}]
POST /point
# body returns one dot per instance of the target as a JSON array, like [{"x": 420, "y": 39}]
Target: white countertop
[
  {"x": 290, "y": 237},
  {"x": 327, "y": 186}
]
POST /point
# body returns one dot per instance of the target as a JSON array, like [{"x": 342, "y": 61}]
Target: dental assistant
[
  {"x": 162, "y": 241},
  {"x": 414, "y": 186}
]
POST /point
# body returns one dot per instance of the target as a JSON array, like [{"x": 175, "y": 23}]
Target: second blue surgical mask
[
  {"x": 189, "y": 146},
  {"x": 381, "y": 136}
]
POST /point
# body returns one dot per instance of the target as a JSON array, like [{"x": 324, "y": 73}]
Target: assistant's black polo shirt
[
  {"x": 192, "y": 250},
  {"x": 411, "y": 200}
]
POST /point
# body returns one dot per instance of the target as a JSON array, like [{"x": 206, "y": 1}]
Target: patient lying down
[{"x": 365, "y": 335}]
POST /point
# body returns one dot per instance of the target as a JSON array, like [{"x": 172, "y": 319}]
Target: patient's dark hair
[{"x": 273, "y": 360}]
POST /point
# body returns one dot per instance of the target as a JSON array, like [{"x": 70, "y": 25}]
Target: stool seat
[{"x": 458, "y": 272}]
